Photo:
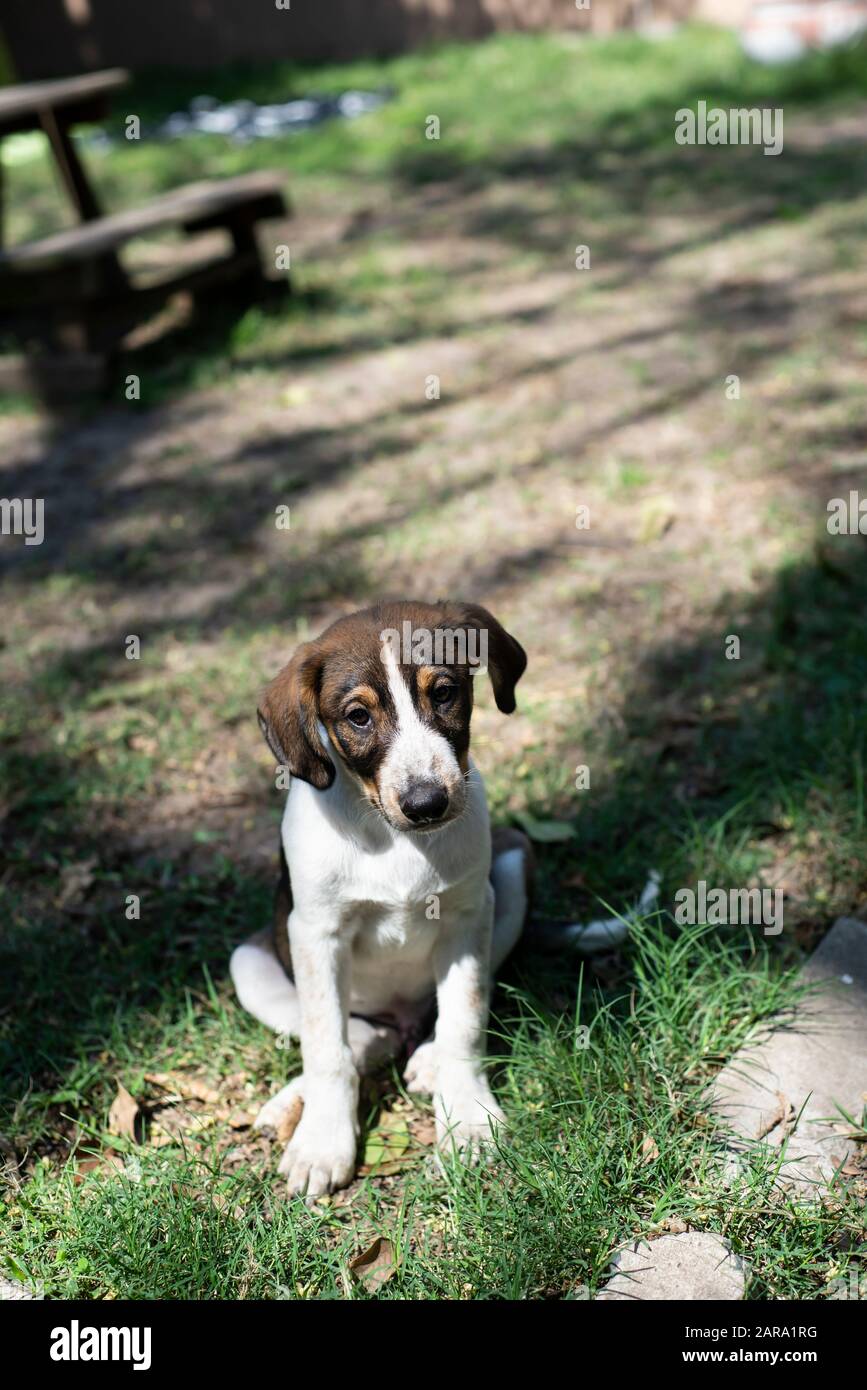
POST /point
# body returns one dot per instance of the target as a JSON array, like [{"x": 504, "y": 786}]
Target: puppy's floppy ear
[
  {"x": 507, "y": 659},
  {"x": 288, "y": 714}
]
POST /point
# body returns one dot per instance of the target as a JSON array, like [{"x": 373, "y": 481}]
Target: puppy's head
[{"x": 389, "y": 691}]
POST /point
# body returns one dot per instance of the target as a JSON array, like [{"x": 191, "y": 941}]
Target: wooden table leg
[
  {"x": 80, "y": 191},
  {"x": 71, "y": 171}
]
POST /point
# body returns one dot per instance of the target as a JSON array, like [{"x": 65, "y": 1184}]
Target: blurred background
[{"x": 79, "y": 35}]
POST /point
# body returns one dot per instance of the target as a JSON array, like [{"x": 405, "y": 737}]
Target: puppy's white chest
[
  {"x": 397, "y": 901},
  {"x": 399, "y": 880},
  {"x": 387, "y": 929},
  {"x": 391, "y": 893},
  {"x": 393, "y": 948}
]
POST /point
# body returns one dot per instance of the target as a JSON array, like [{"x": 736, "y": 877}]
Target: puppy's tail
[{"x": 590, "y": 938}]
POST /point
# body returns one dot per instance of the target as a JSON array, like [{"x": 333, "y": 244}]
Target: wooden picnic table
[
  {"x": 55, "y": 107},
  {"x": 70, "y": 291}
]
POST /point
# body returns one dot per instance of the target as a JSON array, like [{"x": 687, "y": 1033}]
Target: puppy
[{"x": 395, "y": 905}]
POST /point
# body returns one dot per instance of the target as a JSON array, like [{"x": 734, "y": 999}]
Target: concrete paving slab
[
  {"x": 695, "y": 1266},
  {"x": 790, "y": 1085}
]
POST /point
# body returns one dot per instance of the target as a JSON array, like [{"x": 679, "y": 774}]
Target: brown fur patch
[
  {"x": 426, "y": 677},
  {"x": 282, "y": 908},
  {"x": 345, "y": 665},
  {"x": 367, "y": 694}
]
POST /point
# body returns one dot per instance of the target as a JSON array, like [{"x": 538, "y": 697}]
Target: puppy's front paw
[
  {"x": 420, "y": 1072},
  {"x": 320, "y": 1156},
  {"x": 279, "y": 1111},
  {"x": 467, "y": 1116}
]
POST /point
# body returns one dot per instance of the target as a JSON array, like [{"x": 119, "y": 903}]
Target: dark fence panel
[{"x": 56, "y": 37}]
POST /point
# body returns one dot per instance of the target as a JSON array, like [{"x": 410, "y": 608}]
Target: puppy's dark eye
[
  {"x": 358, "y": 716},
  {"x": 443, "y": 694}
]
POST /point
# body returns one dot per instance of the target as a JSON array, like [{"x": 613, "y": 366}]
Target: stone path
[
  {"x": 789, "y": 1086},
  {"x": 696, "y": 1265},
  {"x": 793, "y": 1084}
]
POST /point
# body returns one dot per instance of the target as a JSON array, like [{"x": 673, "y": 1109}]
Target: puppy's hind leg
[
  {"x": 262, "y": 985},
  {"x": 261, "y": 969},
  {"x": 512, "y": 869}
]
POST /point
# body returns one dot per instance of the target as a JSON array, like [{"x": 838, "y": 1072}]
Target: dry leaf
[
  {"x": 298, "y": 394},
  {"x": 376, "y": 1265},
  {"x": 123, "y": 1114},
  {"x": 544, "y": 832},
  {"x": 159, "y": 1138},
  {"x": 576, "y": 880},
  {"x": 386, "y": 1150},
  {"x": 783, "y": 1115},
  {"x": 386, "y": 1168},
  {"x": 92, "y": 1165},
  {"x": 424, "y": 1130},
  {"x": 290, "y": 1121},
  {"x": 657, "y": 515},
  {"x": 649, "y": 1149},
  {"x": 188, "y": 1087},
  {"x": 75, "y": 879},
  {"x": 168, "y": 1126},
  {"x": 195, "y": 1124},
  {"x": 143, "y": 743},
  {"x": 242, "y": 1119}
]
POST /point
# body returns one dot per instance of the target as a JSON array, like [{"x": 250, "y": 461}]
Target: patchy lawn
[{"x": 559, "y": 388}]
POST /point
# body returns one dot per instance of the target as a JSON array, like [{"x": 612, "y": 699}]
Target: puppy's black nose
[{"x": 424, "y": 801}]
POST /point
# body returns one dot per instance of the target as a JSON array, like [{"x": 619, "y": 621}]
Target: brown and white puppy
[{"x": 394, "y": 907}]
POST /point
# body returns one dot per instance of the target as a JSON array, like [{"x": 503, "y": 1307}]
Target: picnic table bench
[{"x": 70, "y": 291}]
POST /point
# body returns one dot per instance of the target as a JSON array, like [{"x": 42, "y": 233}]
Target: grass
[
  {"x": 145, "y": 778},
  {"x": 574, "y": 1178},
  {"x": 569, "y": 116}
]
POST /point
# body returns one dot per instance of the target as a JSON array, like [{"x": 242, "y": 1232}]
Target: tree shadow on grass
[
  {"x": 730, "y": 767},
  {"x": 629, "y": 168},
  {"x": 716, "y": 768},
  {"x": 626, "y": 168}
]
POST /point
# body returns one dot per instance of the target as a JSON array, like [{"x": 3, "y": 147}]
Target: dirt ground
[{"x": 606, "y": 388}]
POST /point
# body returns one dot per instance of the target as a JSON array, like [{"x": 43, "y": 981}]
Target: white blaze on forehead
[{"x": 417, "y": 752}]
